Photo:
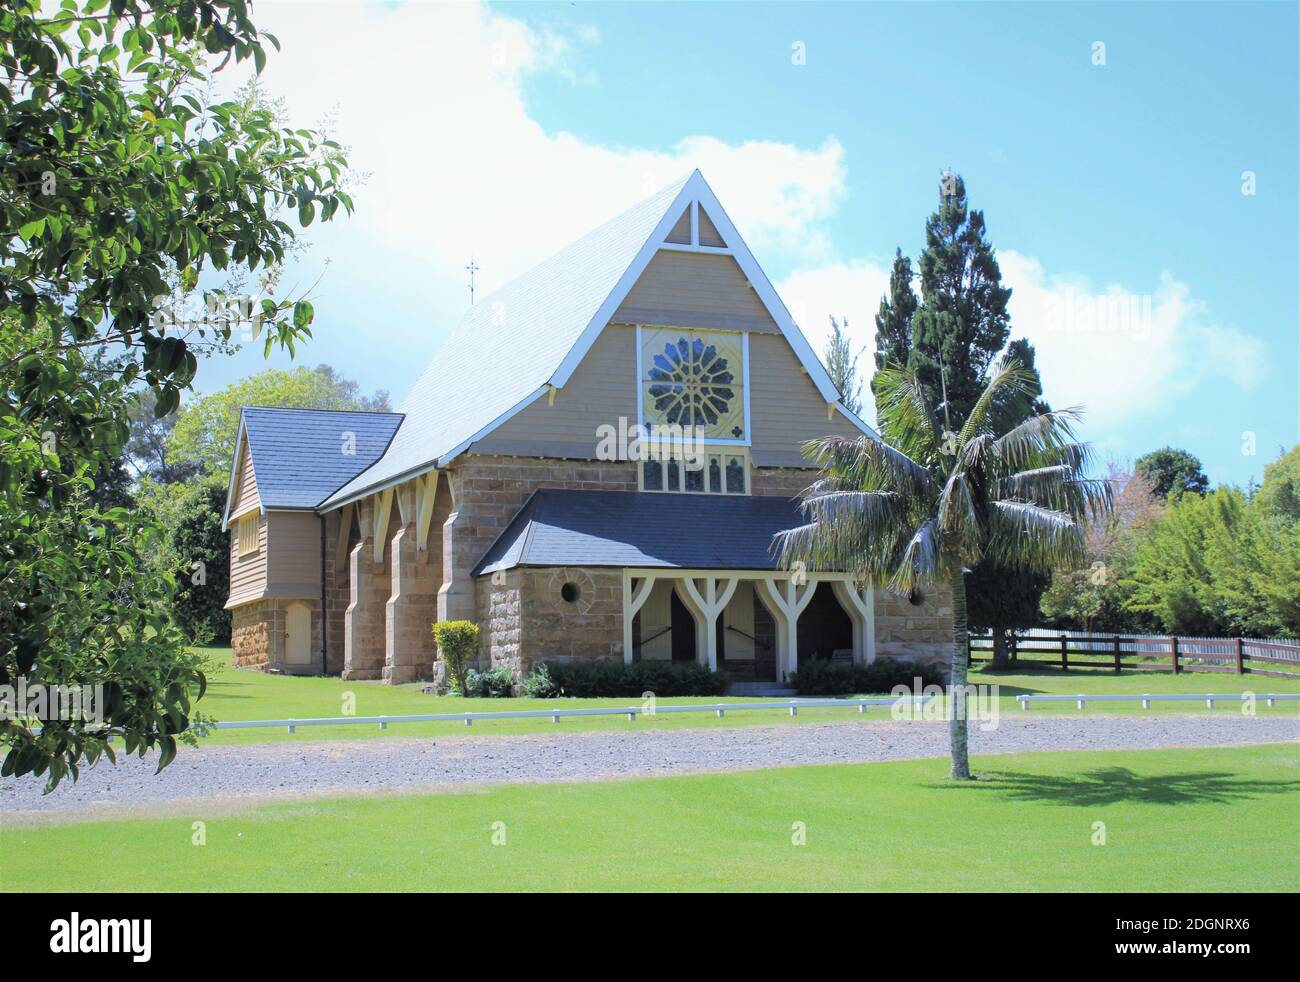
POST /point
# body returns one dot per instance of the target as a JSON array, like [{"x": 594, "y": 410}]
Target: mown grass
[
  {"x": 234, "y": 694},
  {"x": 1172, "y": 820}
]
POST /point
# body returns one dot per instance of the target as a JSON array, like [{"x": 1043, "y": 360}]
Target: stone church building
[{"x": 592, "y": 466}]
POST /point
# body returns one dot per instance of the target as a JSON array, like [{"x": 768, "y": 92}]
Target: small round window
[{"x": 570, "y": 593}]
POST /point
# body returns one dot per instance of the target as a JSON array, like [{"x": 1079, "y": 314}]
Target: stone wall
[
  {"x": 370, "y": 585},
  {"x": 337, "y": 591},
  {"x": 255, "y": 634},
  {"x": 258, "y": 635},
  {"x": 922, "y": 631},
  {"x": 782, "y": 481},
  {"x": 525, "y": 617}
]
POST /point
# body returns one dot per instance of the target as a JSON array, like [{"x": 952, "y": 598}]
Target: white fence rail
[
  {"x": 1209, "y": 698},
  {"x": 631, "y": 712}
]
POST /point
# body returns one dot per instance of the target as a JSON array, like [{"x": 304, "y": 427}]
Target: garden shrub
[
  {"x": 609, "y": 678},
  {"x": 457, "y": 645},
  {"x": 827, "y": 678},
  {"x": 539, "y": 684},
  {"x": 495, "y": 683}
]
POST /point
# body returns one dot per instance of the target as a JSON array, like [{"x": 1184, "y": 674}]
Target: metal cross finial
[{"x": 473, "y": 268}]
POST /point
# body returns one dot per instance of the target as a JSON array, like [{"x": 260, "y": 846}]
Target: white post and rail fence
[{"x": 1068, "y": 650}]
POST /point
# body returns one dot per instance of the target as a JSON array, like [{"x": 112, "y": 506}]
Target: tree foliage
[
  {"x": 117, "y": 176},
  {"x": 916, "y": 506},
  {"x": 204, "y": 434},
  {"x": 194, "y": 549},
  {"x": 1089, "y": 597},
  {"x": 961, "y": 323},
  {"x": 1219, "y": 565},
  {"x": 1279, "y": 495},
  {"x": 1173, "y": 472},
  {"x": 842, "y": 364},
  {"x": 894, "y": 320}
]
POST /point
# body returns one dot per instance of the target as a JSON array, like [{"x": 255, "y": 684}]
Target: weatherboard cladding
[
  {"x": 511, "y": 342},
  {"x": 642, "y": 529},
  {"x": 301, "y": 456}
]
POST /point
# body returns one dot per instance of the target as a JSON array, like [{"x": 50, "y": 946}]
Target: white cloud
[
  {"x": 1115, "y": 351},
  {"x": 846, "y": 291},
  {"x": 1119, "y": 352},
  {"x": 431, "y": 99}
]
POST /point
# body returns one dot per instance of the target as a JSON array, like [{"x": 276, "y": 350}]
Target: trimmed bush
[
  {"x": 584, "y": 679},
  {"x": 827, "y": 678},
  {"x": 457, "y": 645}
]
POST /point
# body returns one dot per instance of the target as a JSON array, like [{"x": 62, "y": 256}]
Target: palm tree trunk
[{"x": 957, "y": 730}]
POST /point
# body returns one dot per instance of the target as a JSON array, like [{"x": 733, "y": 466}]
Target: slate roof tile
[
  {"x": 559, "y": 527},
  {"x": 301, "y": 456}
]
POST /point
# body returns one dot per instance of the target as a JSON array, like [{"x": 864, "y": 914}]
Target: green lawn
[
  {"x": 243, "y": 695},
  {"x": 1175, "y": 820}
]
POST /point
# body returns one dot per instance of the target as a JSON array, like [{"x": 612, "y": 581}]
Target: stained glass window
[{"x": 694, "y": 378}]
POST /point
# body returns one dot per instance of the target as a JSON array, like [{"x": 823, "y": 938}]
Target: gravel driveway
[{"x": 234, "y": 776}]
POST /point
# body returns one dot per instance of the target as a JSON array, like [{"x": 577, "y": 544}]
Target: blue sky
[{"x": 503, "y": 132}]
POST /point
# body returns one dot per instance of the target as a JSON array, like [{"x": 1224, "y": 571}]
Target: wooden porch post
[
  {"x": 706, "y": 608},
  {"x": 633, "y": 600}
]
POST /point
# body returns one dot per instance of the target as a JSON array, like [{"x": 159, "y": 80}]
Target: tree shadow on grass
[{"x": 1115, "y": 785}]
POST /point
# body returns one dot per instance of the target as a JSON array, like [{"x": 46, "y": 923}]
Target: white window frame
[
  {"x": 744, "y": 357},
  {"x": 248, "y": 534}
]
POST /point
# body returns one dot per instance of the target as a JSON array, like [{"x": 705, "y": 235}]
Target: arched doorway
[
  {"x": 825, "y": 630},
  {"x": 683, "y": 624}
]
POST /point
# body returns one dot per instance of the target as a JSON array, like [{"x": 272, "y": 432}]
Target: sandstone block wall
[
  {"x": 922, "y": 631},
  {"x": 525, "y": 618}
]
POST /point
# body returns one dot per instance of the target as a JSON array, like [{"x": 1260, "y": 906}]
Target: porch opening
[{"x": 825, "y": 629}]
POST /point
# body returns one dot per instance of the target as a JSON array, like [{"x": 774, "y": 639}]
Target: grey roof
[
  {"x": 301, "y": 456},
  {"x": 642, "y": 529},
  {"x": 511, "y": 342}
]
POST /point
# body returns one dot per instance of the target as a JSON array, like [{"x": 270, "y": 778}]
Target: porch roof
[{"x": 642, "y": 530}]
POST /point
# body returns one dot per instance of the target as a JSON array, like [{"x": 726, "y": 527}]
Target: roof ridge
[{"x": 309, "y": 409}]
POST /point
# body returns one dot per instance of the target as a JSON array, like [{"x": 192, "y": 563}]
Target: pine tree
[
  {"x": 962, "y": 323},
  {"x": 842, "y": 364},
  {"x": 894, "y": 321}
]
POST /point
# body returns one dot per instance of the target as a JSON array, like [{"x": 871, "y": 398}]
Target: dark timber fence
[{"x": 1146, "y": 653}]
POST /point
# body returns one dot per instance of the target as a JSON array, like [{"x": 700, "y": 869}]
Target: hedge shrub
[
  {"x": 495, "y": 683},
  {"x": 827, "y": 678},
  {"x": 609, "y": 678}
]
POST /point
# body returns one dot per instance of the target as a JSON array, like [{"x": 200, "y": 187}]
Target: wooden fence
[{"x": 1146, "y": 653}]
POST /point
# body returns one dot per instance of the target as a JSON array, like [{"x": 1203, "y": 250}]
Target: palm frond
[
  {"x": 958, "y": 517},
  {"x": 853, "y": 531},
  {"x": 1010, "y": 378},
  {"x": 1058, "y": 487},
  {"x": 868, "y": 463},
  {"x": 921, "y": 561},
  {"x": 905, "y": 416},
  {"x": 1031, "y": 536},
  {"x": 1031, "y": 443}
]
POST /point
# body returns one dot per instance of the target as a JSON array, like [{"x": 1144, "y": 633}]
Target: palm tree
[{"x": 920, "y": 504}]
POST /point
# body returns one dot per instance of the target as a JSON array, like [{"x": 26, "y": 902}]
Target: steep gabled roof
[
  {"x": 530, "y": 335},
  {"x": 642, "y": 529},
  {"x": 301, "y": 456}
]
